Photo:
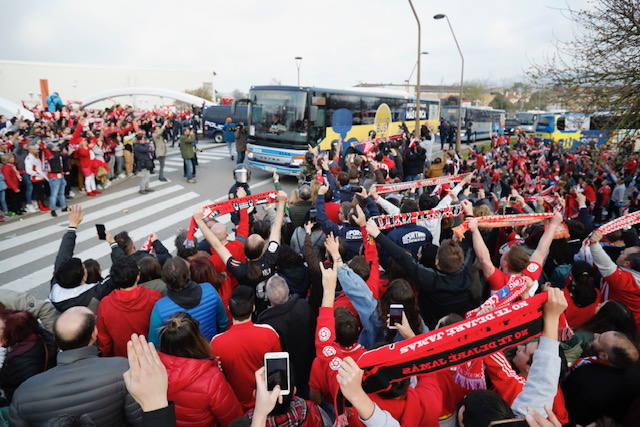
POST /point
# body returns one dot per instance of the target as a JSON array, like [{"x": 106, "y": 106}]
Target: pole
[
  {"x": 298, "y": 75},
  {"x": 416, "y": 131},
  {"x": 298, "y": 61},
  {"x": 458, "y": 144}
]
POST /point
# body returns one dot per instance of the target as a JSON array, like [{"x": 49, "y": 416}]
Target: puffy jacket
[
  {"x": 28, "y": 358},
  {"x": 143, "y": 156},
  {"x": 82, "y": 383},
  {"x": 187, "y": 150},
  {"x": 122, "y": 313},
  {"x": 200, "y": 301},
  {"x": 201, "y": 394}
]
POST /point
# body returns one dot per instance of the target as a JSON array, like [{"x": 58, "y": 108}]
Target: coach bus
[
  {"x": 561, "y": 127},
  {"x": 477, "y": 122},
  {"x": 529, "y": 120},
  {"x": 284, "y": 120}
]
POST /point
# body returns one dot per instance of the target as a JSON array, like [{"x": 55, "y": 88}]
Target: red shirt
[
  {"x": 575, "y": 315},
  {"x": 324, "y": 368},
  {"x": 624, "y": 287},
  {"x": 122, "y": 313},
  {"x": 590, "y": 193},
  {"x": 241, "y": 350},
  {"x": 604, "y": 193},
  {"x": 499, "y": 279}
]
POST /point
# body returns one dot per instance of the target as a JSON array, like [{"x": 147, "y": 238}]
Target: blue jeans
[
  {"x": 28, "y": 187},
  {"x": 231, "y": 146},
  {"x": 188, "y": 168},
  {"x": 3, "y": 202},
  {"x": 57, "y": 186},
  {"x": 241, "y": 156},
  {"x": 413, "y": 177}
]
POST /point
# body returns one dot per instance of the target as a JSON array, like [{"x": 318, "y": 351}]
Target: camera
[{"x": 355, "y": 188}]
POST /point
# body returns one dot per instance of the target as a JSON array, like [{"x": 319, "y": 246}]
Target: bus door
[{"x": 317, "y": 118}]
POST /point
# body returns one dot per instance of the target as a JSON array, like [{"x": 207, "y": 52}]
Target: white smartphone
[
  {"x": 277, "y": 371},
  {"x": 395, "y": 315}
]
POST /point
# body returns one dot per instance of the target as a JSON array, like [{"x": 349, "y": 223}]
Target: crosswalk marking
[
  {"x": 44, "y": 254},
  {"x": 51, "y": 247},
  {"x": 110, "y": 210},
  {"x": 86, "y": 204}
]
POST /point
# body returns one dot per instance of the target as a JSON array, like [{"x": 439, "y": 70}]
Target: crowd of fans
[
  {"x": 45, "y": 159},
  {"x": 314, "y": 276}
]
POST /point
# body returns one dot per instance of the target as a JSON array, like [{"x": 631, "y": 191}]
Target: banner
[
  {"x": 228, "y": 206},
  {"x": 384, "y": 222},
  {"x": 453, "y": 345},
  {"x": 499, "y": 221},
  {"x": 447, "y": 179},
  {"x": 619, "y": 223}
]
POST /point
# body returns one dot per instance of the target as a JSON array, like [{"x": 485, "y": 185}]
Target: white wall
[{"x": 20, "y": 80}]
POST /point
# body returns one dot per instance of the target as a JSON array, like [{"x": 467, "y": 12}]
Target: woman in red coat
[{"x": 200, "y": 392}]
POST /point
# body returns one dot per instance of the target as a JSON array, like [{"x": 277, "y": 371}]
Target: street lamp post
[
  {"x": 213, "y": 87},
  {"x": 414, "y": 67},
  {"x": 416, "y": 131},
  {"x": 298, "y": 61},
  {"x": 440, "y": 16}
]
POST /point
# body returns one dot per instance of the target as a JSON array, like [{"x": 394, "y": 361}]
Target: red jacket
[
  {"x": 577, "y": 316},
  {"x": 201, "y": 394},
  {"x": 11, "y": 176},
  {"x": 122, "y": 313}
]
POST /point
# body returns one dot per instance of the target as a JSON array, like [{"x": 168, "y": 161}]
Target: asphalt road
[{"x": 28, "y": 246}]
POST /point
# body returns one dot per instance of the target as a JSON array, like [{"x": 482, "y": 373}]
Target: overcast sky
[{"x": 343, "y": 42}]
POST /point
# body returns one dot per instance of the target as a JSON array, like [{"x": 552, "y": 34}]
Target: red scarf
[
  {"x": 228, "y": 206},
  {"x": 385, "y": 222},
  {"x": 388, "y": 188}
]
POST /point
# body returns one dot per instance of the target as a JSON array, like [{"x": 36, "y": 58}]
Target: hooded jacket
[
  {"x": 122, "y": 313},
  {"x": 201, "y": 394},
  {"x": 439, "y": 293}
]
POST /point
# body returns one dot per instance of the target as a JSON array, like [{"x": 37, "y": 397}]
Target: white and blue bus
[
  {"x": 478, "y": 123},
  {"x": 529, "y": 119},
  {"x": 284, "y": 120}
]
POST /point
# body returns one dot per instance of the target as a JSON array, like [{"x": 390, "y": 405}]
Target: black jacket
[
  {"x": 594, "y": 390},
  {"x": 83, "y": 295},
  {"x": 17, "y": 368},
  {"x": 82, "y": 383},
  {"x": 294, "y": 324},
  {"x": 439, "y": 293},
  {"x": 161, "y": 253},
  {"x": 414, "y": 162},
  {"x": 143, "y": 156}
]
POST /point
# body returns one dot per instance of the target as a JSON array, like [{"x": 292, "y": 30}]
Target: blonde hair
[
  {"x": 481, "y": 210},
  {"x": 5, "y": 158}
]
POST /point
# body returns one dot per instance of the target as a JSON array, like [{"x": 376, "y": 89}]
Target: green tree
[{"x": 501, "y": 102}]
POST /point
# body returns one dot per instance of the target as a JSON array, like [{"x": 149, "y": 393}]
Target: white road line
[
  {"x": 109, "y": 210},
  {"x": 43, "y": 275},
  {"x": 51, "y": 248},
  {"x": 170, "y": 169},
  {"x": 98, "y": 200}
]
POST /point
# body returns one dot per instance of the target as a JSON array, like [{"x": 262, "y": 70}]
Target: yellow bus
[{"x": 284, "y": 120}]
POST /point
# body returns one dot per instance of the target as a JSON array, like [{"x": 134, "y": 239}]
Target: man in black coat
[
  {"x": 82, "y": 383},
  {"x": 291, "y": 317}
]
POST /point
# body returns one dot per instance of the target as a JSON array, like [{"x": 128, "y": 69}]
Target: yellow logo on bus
[{"x": 382, "y": 121}]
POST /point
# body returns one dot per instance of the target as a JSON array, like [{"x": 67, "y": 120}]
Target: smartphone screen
[
  {"x": 395, "y": 315},
  {"x": 277, "y": 373},
  {"x": 102, "y": 235}
]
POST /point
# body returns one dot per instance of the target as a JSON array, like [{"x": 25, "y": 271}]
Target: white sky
[{"x": 247, "y": 42}]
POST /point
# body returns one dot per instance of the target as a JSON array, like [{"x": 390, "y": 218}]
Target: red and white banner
[
  {"x": 401, "y": 186},
  {"x": 499, "y": 221},
  {"x": 231, "y": 205},
  {"x": 619, "y": 223},
  {"x": 384, "y": 222}
]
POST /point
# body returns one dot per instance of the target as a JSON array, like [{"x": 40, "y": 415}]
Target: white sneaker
[
  {"x": 122, "y": 175},
  {"x": 107, "y": 185},
  {"x": 72, "y": 194},
  {"x": 31, "y": 208}
]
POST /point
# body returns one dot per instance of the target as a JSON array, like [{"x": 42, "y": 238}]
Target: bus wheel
[{"x": 217, "y": 137}]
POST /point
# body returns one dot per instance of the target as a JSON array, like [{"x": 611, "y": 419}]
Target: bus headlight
[
  {"x": 250, "y": 155},
  {"x": 296, "y": 162}
]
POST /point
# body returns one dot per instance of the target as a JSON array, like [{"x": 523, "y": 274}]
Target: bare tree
[{"x": 599, "y": 70}]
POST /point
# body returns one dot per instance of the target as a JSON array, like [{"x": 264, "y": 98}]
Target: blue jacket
[
  {"x": 410, "y": 237},
  {"x": 228, "y": 134},
  {"x": 209, "y": 312}
]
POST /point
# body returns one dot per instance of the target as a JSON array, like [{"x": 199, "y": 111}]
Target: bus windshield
[{"x": 279, "y": 115}]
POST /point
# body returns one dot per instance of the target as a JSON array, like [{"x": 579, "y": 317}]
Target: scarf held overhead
[
  {"x": 228, "y": 206},
  {"x": 499, "y": 221},
  {"x": 385, "y": 222},
  {"x": 618, "y": 224},
  {"x": 451, "y": 346},
  {"x": 388, "y": 188}
]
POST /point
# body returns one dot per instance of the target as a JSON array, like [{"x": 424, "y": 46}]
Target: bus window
[
  {"x": 279, "y": 113},
  {"x": 350, "y": 102},
  {"x": 560, "y": 124},
  {"x": 369, "y": 107}
]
